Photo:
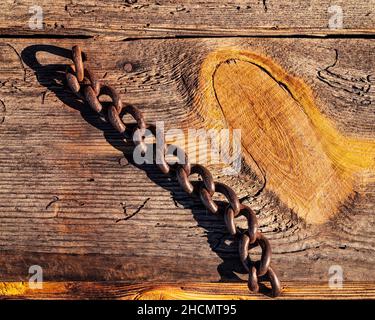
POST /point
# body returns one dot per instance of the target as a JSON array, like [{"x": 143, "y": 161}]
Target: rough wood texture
[
  {"x": 64, "y": 193},
  {"x": 70, "y": 203},
  {"x": 191, "y": 291},
  {"x": 122, "y": 19}
]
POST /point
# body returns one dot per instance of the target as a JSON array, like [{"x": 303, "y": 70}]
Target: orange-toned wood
[{"x": 183, "y": 291}]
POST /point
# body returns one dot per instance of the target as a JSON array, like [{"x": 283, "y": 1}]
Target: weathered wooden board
[
  {"x": 167, "y": 291},
  {"x": 122, "y": 19},
  {"x": 64, "y": 192}
]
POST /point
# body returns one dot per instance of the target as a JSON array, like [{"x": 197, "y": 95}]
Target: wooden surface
[
  {"x": 66, "y": 197},
  {"x": 119, "y": 19},
  {"x": 171, "y": 291},
  {"x": 310, "y": 165}
]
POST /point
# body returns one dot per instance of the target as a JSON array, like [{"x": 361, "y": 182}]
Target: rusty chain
[{"x": 85, "y": 85}]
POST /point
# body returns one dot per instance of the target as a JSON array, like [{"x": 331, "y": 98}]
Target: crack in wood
[
  {"x": 265, "y": 7},
  {"x": 44, "y": 95},
  {"x": 127, "y": 217},
  {"x": 54, "y": 200},
  {"x": 19, "y": 58},
  {"x": 175, "y": 201},
  {"x": 3, "y": 110},
  {"x": 358, "y": 89}
]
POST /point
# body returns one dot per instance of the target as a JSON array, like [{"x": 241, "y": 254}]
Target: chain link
[{"x": 84, "y": 84}]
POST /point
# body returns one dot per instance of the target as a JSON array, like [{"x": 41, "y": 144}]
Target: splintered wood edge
[
  {"x": 185, "y": 291},
  {"x": 310, "y": 165}
]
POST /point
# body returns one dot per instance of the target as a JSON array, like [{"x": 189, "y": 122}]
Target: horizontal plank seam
[{"x": 370, "y": 35}]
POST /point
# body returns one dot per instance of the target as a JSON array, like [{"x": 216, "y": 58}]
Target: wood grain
[
  {"x": 184, "y": 291},
  {"x": 64, "y": 192},
  {"x": 118, "y": 19},
  {"x": 310, "y": 165}
]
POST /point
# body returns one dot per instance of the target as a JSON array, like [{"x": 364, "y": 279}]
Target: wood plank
[
  {"x": 63, "y": 190},
  {"x": 123, "y": 19},
  {"x": 183, "y": 291}
]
